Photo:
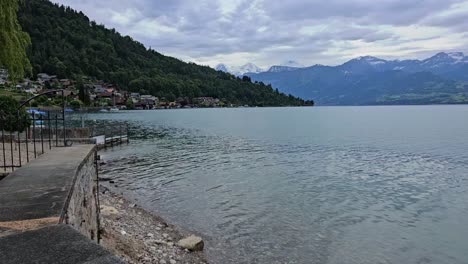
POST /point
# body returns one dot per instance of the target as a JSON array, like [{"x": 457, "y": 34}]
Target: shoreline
[{"x": 138, "y": 236}]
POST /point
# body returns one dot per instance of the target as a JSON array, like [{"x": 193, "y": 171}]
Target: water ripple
[{"x": 270, "y": 200}]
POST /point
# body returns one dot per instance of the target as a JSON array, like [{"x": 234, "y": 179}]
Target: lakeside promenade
[{"x": 52, "y": 199}]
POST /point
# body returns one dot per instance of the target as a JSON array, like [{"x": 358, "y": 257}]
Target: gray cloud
[{"x": 270, "y": 31}]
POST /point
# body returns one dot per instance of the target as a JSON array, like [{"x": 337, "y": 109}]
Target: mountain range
[
  {"x": 250, "y": 68},
  {"x": 239, "y": 70},
  {"x": 440, "y": 79}
]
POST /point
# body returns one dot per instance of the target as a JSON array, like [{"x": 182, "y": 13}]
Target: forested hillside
[{"x": 66, "y": 43}]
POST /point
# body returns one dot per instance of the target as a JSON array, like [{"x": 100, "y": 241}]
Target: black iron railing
[
  {"x": 44, "y": 130},
  {"x": 26, "y": 136}
]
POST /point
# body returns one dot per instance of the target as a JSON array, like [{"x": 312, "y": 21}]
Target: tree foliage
[
  {"x": 13, "y": 41},
  {"x": 68, "y": 44},
  {"x": 10, "y": 118}
]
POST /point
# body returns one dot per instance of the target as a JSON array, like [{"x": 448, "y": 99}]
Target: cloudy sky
[{"x": 268, "y": 32}]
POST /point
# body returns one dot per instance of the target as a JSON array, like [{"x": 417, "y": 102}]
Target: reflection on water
[{"x": 302, "y": 185}]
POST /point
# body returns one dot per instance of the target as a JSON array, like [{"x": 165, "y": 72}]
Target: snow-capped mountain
[
  {"x": 441, "y": 62},
  {"x": 371, "y": 80},
  {"x": 221, "y": 67},
  {"x": 253, "y": 69},
  {"x": 239, "y": 70},
  {"x": 453, "y": 65},
  {"x": 278, "y": 68},
  {"x": 442, "y": 59},
  {"x": 292, "y": 64},
  {"x": 286, "y": 66}
]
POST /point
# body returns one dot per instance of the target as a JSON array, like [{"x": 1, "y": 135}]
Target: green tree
[
  {"x": 83, "y": 93},
  {"x": 75, "y": 104},
  {"x": 13, "y": 42},
  {"x": 130, "y": 105},
  {"x": 10, "y": 119}
]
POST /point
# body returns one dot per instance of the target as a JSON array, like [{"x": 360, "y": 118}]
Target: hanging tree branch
[{"x": 13, "y": 42}]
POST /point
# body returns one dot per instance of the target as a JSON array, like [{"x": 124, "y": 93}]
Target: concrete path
[
  {"x": 32, "y": 206},
  {"x": 55, "y": 244},
  {"x": 40, "y": 189}
]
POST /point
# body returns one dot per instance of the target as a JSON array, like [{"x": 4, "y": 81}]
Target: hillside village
[{"x": 98, "y": 93}]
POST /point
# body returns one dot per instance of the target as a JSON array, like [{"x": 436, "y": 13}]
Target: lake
[{"x": 384, "y": 184}]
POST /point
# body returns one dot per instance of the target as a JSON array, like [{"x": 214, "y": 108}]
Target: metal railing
[
  {"x": 113, "y": 134},
  {"x": 43, "y": 131},
  {"x": 26, "y": 136}
]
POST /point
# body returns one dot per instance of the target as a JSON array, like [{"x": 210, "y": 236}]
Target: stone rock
[
  {"x": 193, "y": 243},
  {"x": 108, "y": 210},
  {"x": 172, "y": 261}
]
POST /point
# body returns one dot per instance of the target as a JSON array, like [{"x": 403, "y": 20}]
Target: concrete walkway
[
  {"x": 33, "y": 203},
  {"x": 55, "y": 244},
  {"x": 40, "y": 189}
]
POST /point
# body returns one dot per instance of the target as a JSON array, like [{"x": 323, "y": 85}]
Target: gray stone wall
[{"x": 82, "y": 212}]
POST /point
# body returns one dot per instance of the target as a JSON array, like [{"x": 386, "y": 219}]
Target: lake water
[{"x": 304, "y": 185}]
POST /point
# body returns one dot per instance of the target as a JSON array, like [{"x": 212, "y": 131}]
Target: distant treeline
[{"x": 66, "y": 43}]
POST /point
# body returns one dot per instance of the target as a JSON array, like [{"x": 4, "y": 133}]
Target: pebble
[{"x": 157, "y": 247}]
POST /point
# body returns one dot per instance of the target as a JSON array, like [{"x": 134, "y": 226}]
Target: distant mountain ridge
[
  {"x": 453, "y": 64},
  {"x": 442, "y": 78},
  {"x": 239, "y": 71},
  {"x": 250, "y": 68}
]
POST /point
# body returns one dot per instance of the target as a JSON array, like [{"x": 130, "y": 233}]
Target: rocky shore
[{"x": 137, "y": 236}]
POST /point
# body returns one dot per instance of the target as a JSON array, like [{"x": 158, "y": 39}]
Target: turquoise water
[{"x": 382, "y": 184}]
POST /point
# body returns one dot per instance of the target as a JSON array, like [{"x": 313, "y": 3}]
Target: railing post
[
  {"x": 27, "y": 143},
  {"x": 63, "y": 116},
  {"x": 12, "y": 153},
  {"x": 3, "y": 148},
  {"x": 49, "y": 128},
  {"x": 41, "y": 124},
  {"x": 56, "y": 130},
  {"x": 34, "y": 134},
  {"x": 19, "y": 139}
]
